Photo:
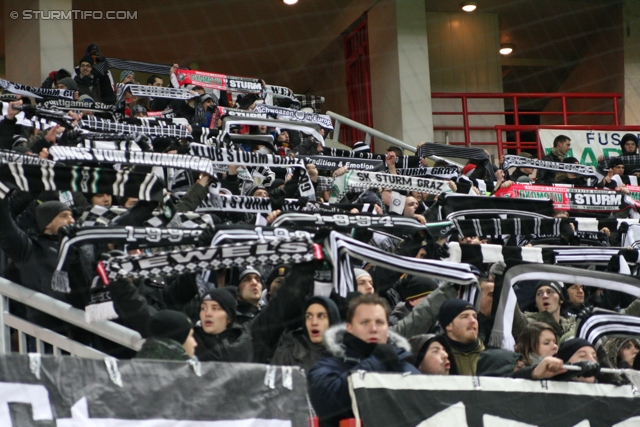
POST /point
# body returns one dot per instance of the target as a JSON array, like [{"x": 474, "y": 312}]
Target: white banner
[{"x": 586, "y": 145}]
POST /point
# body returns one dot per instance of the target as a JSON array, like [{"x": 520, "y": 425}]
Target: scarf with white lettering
[
  {"x": 133, "y": 237},
  {"x": 222, "y": 112},
  {"x": 157, "y": 92},
  {"x": 332, "y": 163},
  {"x": 431, "y": 149},
  {"x": 281, "y": 251},
  {"x": 280, "y": 95},
  {"x": 9, "y": 156},
  {"x": 218, "y": 81},
  {"x": 246, "y": 204},
  {"x": 69, "y": 105},
  {"x": 381, "y": 222},
  {"x": 342, "y": 248},
  {"x": 442, "y": 172},
  {"x": 501, "y": 335},
  {"x": 403, "y": 162},
  {"x": 363, "y": 180},
  {"x": 295, "y": 115},
  {"x": 224, "y": 156},
  {"x": 35, "y": 179},
  {"x": 511, "y": 161},
  {"x": 35, "y": 92}
]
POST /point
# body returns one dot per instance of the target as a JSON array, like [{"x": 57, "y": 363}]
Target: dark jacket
[
  {"x": 544, "y": 176},
  {"x": 162, "y": 349},
  {"x": 98, "y": 88},
  {"x": 36, "y": 256},
  {"x": 296, "y": 349},
  {"x": 232, "y": 345},
  {"x": 328, "y": 379}
]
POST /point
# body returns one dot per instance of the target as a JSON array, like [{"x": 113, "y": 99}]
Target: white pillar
[
  {"x": 399, "y": 62},
  {"x": 35, "y": 47},
  {"x": 631, "y": 34}
]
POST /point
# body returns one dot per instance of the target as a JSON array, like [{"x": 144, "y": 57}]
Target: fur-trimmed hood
[{"x": 334, "y": 336}]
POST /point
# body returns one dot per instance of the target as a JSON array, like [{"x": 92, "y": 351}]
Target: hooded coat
[
  {"x": 162, "y": 349},
  {"x": 295, "y": 347},
  {"x": 328, "y": 379}
]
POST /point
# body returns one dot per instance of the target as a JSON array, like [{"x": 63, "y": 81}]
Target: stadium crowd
[{"x": 425, "y": 319}]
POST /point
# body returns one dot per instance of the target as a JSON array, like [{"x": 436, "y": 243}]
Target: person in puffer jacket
[{"x": 364, "y": 343}]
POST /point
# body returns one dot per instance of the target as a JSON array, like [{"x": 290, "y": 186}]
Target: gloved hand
[
  {"x": 68, "y": 230},
  {"x": 584, "y": 313},
  {"x": 386, "y": 354},
  {"x": 589, "y": 369},
  {"x": 497, "y": 269},
  {"x": 442, "y": 251},
  {"x": 207, "y": 236},
  {"x": 53, "y": 74}
]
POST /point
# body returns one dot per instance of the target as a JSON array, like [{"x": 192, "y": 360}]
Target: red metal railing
[
  {"x": 516, "y": 113},
  {"x": 519, "y": 146}
]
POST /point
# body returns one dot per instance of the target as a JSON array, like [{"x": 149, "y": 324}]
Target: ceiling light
[
  {"x": 506, "y": 48},
  {"x": 469, "y": 6},
  {"x": 290, "y": 2}
]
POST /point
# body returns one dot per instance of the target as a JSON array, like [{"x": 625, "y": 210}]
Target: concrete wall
[
  {"x": 601, "y": 69},
  {"x": 464, "y": 57}
]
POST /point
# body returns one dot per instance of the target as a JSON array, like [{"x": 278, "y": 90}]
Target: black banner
[
  {"x": 70, "y": 391},
  {"x": 463, "y": 401}
]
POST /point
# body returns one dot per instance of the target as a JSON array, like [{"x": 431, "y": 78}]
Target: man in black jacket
[
  {"x": 91, "y": 82},
  {"x": 561, "y": 146}
]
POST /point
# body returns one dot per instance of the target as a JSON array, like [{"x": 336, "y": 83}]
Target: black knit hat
[
  {"x": 47, "y": 211},
  {"x": 553, "y": 285},
  {"x": 569, "y": 347},
  {"x": 169, "y": 324},
  {"x": 255, "y": 188},
  {"x": 451, "y": 309},
  {"x": 416, "y": 287},
  {"x": 328, "y": 304},
  {"x": 88, "y": 59},
  {"x": 420, "y": 344},
  {"x": 615, "y": 162},
  {"x": 227, "y": 297}
]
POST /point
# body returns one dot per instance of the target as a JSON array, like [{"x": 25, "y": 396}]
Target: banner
[
  {"x": 328, "y": 163},
  {"x": 464, "y": 401},
  {"x": 35, "y": 92},
  {"x": 71, "y": 392},
  {"x": 218, "y": 81},
  {"x": 572, "y": 198},
  {"x": 586, "y": 145}
]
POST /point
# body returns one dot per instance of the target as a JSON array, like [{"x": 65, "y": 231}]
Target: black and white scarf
[
  {"x": 631, "y": 237},
  {"x": 159, "y": 121},
  {"x": 403, "y": 162},
  {"x": 9, "y": 156},
  {"x": 222, "y": 112},
  {"x": 613, "y": 224},
  {"x": 497, "y": 227},
  {"x": 295, "y": 115},
  {"x": 511, "y": 161},
  {"x": 144, "y": 158},
  {"x": 103, "y": 125},
  {"x": 35, "y": 179},
  {"x": 245, "y": 204},
  {"x": 501, "y": 335},
  {"x": 134, "y": 237},
  {"x": 332, "y": 163},
  {"x": 157, "y": 92},
  {"x": 224, "y": 156},
  {"x": 35, "y": 92},
  {"x": 306, "y": 128},
  {"x": 116, "y": 144},
  {"x": 43, "y": 118},
  {"x": 281, "y": 251},
  {"x": 453, "y": 205},
  {"x": 431, "y": 149},
  {"x": 100, "y": 216},
  {"x": 383, "y": 222},
  {"x": 603, "y": 324},
  {"x": 280, "y": 95},
  {"x": 489, "y": 254},
  {"x": 442, "y": 172},
  {"x": 69, "y": 105},
  {"x": 361, "y": 180},
  {"x": 123, "y": 64},
  {"x": 342, "y": 248}
]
